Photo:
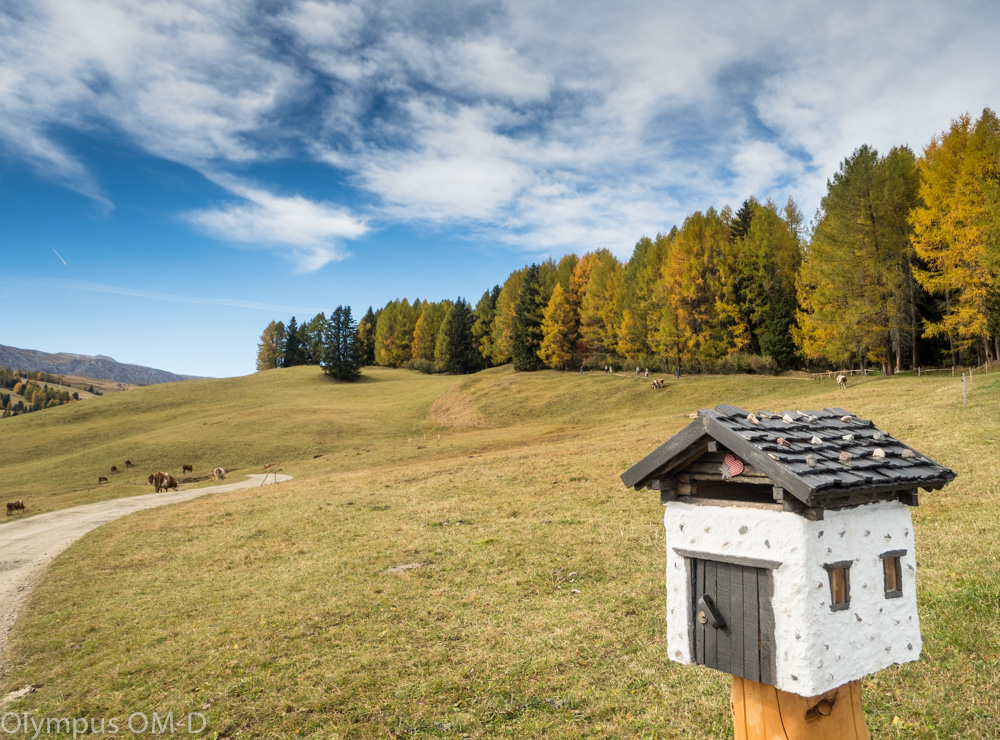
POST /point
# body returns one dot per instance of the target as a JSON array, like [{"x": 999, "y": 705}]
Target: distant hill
[{"x": 99, "y": 366}]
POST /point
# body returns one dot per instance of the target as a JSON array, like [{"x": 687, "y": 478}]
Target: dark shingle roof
[{"x": 754, "y": 438}]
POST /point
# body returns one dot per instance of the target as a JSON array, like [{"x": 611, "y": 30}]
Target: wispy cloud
[
  {"x": 525, "y": 122},
  {"x": 148, "y": 295},
  {"x": 309, "y": 233}
]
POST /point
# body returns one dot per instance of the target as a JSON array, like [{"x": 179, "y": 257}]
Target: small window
[
  {"x": 840, "y": 585},
  {"x": 892, "y": 567}
]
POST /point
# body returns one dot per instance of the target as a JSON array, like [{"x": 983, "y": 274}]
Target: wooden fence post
[
  {"x": 965, "y": 393},
  {"x": 763, "y": 712}
]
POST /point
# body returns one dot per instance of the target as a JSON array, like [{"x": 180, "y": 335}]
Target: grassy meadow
[{"x": 456, "y": 557}]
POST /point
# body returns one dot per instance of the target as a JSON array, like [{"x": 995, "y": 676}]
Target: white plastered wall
[{"x": 816, "y": 649}]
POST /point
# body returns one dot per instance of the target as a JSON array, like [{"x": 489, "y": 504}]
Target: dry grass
[
  {"x": 454, "y": 410},
  {"x": 537, "y": 609}
]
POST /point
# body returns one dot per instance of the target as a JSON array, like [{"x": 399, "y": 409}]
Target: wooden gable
[{"x": 803, "y": 461}]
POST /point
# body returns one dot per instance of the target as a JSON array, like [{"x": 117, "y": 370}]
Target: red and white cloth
[{"x": 731, "y": 466}]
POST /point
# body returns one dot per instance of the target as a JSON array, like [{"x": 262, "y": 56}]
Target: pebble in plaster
[
  {"x": 744, "y": 529},
  {"x": 857, "y": 653}
]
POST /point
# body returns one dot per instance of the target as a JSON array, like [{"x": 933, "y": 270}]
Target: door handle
[{"x": 708, "y": 613}]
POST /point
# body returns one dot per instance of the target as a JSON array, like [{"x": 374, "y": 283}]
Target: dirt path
[{"x": 29, "y": 545}]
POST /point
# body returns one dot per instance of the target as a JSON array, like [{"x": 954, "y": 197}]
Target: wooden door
[{"x": 741, "y": 595}]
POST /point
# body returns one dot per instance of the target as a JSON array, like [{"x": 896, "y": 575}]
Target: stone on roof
[{"x": 822, "y": 454}]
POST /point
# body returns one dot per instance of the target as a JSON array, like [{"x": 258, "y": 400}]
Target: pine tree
[
  {"x": 455, "y": 350},
  {"x": 854, "y": 285},
  {"x": 559, "y": 332},
  {"x": 526, "y": 334},
  {"x": 482, "y": 329},
  {"x": 270, "y": 350},
  {"x": 425, "y": 331},
  {"x": 600, "y": 308},
  {"x": 776, "y": 340},
  {"x": 690, "y": 325},
  {"x": 957, "y": 231},
  {"x": 341, "y": 352},
  {"x": 502, "y": 331},
  {"x": 366, "y": 337},
  {"x": 311, "y": 339},
  {"x": 394, "y": 332},
  {"x": 293, "y": 347}
]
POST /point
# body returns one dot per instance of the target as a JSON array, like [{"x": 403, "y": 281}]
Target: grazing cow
[
  {"x": 151, "y": 480},
  {"x": 841, "y": 381},
  {"x": 13, "y": 506},
  {"x": 102, "y": 479},
  {"x": 185, "y": 468},
  {"x": 220, "y": 474},
  {"x": 128, "y": 463},
  {"x": 114, "y": 468},
  {"x": 658, "y": 383},
  {"x": 168, "y": 482}
]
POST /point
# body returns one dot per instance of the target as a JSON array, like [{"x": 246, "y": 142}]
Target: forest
[
  {"x": 900, "y": 268},
  {"x": 35, "y": 392}
]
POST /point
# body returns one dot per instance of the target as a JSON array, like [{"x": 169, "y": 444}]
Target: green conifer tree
[
  {"x": 456, "y": 351},
  {"x": 293, "y": 345},
  {"x": 366, "y": 337},
  {"x": 341, "y": 352},
  {"x": 527, "y": 329}
]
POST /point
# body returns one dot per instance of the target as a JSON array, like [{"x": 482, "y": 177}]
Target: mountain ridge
[{"x": 99, "y": 367}]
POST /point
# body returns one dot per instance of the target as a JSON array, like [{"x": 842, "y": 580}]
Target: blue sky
[{"x": 174, "y": 175}]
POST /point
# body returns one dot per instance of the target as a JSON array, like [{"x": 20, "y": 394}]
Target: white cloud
[
  {"x": 308, "y": 233},
  {"x": 533, "y": 123}
]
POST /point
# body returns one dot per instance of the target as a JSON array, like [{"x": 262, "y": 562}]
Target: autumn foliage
[{"x": 900, "y": 268}]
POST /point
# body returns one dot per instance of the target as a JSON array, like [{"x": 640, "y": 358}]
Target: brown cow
[
  {"x": 13, "y": 506},
  {"x": 102, "y": 479},
  {"x": 841, "y": 381},
  {"x": 128, "y": 463},
  {"x": 220, "y": 474},
  {"x": 168, "y": 482},
  {"x": 114, "y": 468},
  {"x": 185, "y": 468},
  {"x": 151, "y": 479}
]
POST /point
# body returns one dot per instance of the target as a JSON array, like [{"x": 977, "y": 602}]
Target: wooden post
[
  {"x": 763, "y": 712},
  {"x": 965, "y": 393}
]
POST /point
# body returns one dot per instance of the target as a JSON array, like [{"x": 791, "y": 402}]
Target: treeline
[
  {"x": 431, "y": 337},
  {"x": 34, "y": 390},
  {"x": 333, "y": 343},
  {"x": 901, "y": 268}
]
